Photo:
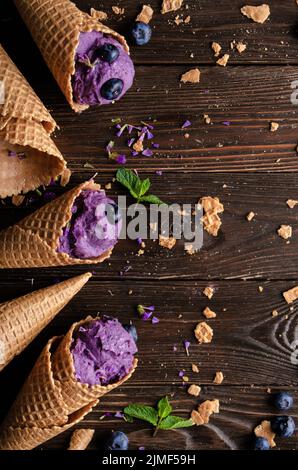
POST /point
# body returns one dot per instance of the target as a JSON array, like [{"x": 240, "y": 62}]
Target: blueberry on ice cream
[
  {"x": 103, "y": 69},
  {"x": 94, "y": 226},
  {"x": 103, "y": 352}
]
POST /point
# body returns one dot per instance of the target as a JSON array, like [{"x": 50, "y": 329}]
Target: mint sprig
[
  {"x": 160, "y": 418},
  {"x": 138, "y": 188}
]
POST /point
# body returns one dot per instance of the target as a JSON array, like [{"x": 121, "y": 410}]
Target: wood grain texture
[{"x": 241, "y": 250}]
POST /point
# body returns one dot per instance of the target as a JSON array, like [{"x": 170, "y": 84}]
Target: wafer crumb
[
  {"x": 171, "y": 5},
  {"x": 211, "y": 220},
  {"x": 167, "y": 242},
  {"x": 209, "y": 313},
  {"x": 292, "y": 203},
  {"x": 205, "y": 410},
  {"x": 274, "y": 126},
  {"x": 222, "y": 61},
  {"x": 241, "y": 47},
  {"x": 194, "y": 390},
  {"x": 108, "y": 186},
  {"x": 285, "y": 231},
  {"x": 264, "y": 430},
  {"x": 192, "y": 76},
  {"x": 146, "y": 14},
  {"x": 138, "y": 145},
  {"x": 261, "y": 288},
  {"x": 291, "y": 295},
  {"x": 80, "y": 439},
  {"x": 203, "y": 332},
  {"x": 216, "y": 48},
  {"x": 207, "y": 119},
  {"x": 250, "y": 216},
  {"x": 187, "y": 20},
  {"x": 98, "y": 15},
  {"x": 259, "y": 14},
  {"x": 118, "y": 10},
  {"x": 18, "y": 200},
  {"x": 274, "y": 313},
  {"x": 209, "y": 292},
  {"x": 219, "y": 377},
  {"x": 195, "y": 368}
]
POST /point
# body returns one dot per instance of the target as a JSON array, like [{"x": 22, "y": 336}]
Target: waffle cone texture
[
  {"x": 55, "y": 26},
  {"x": 22, "y": 319},
  {"x": 25, "y": 124},
  {"x": 51, "y": 400},
  {"x": 33, "y": 241}
]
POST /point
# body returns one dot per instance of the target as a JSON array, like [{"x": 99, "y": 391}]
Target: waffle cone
[
  {"x": 25, "y": 125},
  {"x": 45, "y": 406},
  {"x": 55, "y": 26},
  {"x": 34, "y": 240},
  {"x": 22, "y": 319}
]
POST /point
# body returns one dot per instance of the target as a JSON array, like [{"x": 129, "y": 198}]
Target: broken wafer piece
[
  {"x": 292, "y": 203},
  {"x": 208, "y": 313},
  {"x": 285, "y": 231},
  {"x": 259, "y": 14},
  {"x": 211, "y": 220},
  {"x": 194, "y": 390},
  {"x": 205, "y": 410},
  {"x": 291, "y": 295},
  {"x": 167, "y": 242},
  {"x": 223, "y": 61},
  {"x": 171, "y": 5},
  {"x": 219, "y": 377},
  {"x": 80, "y": 439},
  {"x": 192, "y": 76},
  {"x": 203, "y": 332},
  {"x": 209, "y": 292},
  {"x": 264, "y": 430},
  {"x": 98, "y": 15},
  {"x": 216, "y": 48},
  {"x": 146, "y": 14}
]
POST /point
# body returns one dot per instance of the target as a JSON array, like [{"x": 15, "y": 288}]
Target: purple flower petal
[
  {"x": 156, "y": 146},
  {"x": 134, "y": 153},
  {"x": 130, "y": 142},
  {"x": 226, "y": 123},
  {"x": 147, "y": 152},
  {"x": 146, "y": 316},
  {"x": 186, "y": 346},
  {"x": 186, "y": 124},
  {"x": 142, "y": 448},
  {"x": 154, "y": 320},
  {"x": 158, "y": 172},
  {"x": 181, "y": 373},
  {"x": 149, "y": 135},
  {"x": 175, "y": 348},
  {"x": 140, "y": 241},
  {"x": 121, "y": 159},
  {"x": 11, "y": 153},
  {"x": 118, "y": 414},
  {"x": 109, "y": 146}
]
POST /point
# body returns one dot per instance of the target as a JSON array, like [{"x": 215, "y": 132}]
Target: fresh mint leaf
[
  {"x": 151, "y": 199},
  {"x": 128, "y": 419},
  {"x": 175, "y": 422},
  {"x": 146, "y": 413},
  {"x": 145, "y": 186},
  {"x": 164, "y": 408},
  {"x": 129, "y": 180}
]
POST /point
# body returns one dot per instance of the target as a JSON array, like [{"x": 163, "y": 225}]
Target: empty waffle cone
[
  {"x": 22, "y": 319},
  {"x": 55, "y": 26},
  {"x": 33, "y": 242},
  {"x": 47, "y": 405},
  {"x": 25, "y": 127}
]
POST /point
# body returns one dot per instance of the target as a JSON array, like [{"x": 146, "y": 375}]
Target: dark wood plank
[
  {"x": 241, "y": 409},
  {"x": 273, "y": 42},
  {"x": 241, "y": 250},
  {"x": 249, "y": 345}
]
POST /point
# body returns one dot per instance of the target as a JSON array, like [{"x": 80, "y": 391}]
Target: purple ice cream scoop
[
  {"x": 103, "y": 352},
  {"x": 103, "y": 69},
  {"x": 94, "y": 227}
]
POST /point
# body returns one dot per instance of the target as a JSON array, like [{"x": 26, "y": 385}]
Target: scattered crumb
[
  {"x": 207, "y": 119},
  {"x": 219, "y": 377},
  {"x": 195, "y": 368},
  {"x": 130, "y": 292},
  {"x": 203, "y": 332},
  {"x": 80, "y": 439},
  {"x": 258, "y": 14},
  {"x": 268, "y": 390},
  {"x": 292, "y": 203},
  {"x": 65, "y": 177},
  {"x": 178, "y": 20},
  {"x": 241, "y": 47},
  {"x": 194, "y": 390},
  {"x": 264, "y": 430},
  {"x": 171, "y": 5},
  {"x": 223, "y": 60},
  {"x": 98, "y": 15},
  {"x": 274, "y": 126},
  {"x": 167, "y": 242},
  {"x": 261, "y": 288},
  {"x": 146, "y": 14},
  {"x": 209, "y": 313},
  {"x": 250, "y": 216},
  {"x": 17, "y": 200},
  {"x": 138, "y": 146},
  {"x": 209, "y": 292},
  {"x": 118, "y": 10},
  {"x": 285, "y": 231},
  {"x": 211, "y": 220},
  {"x": 185, "y": 378},
  {"x": 186, "y": 136},
  {"x": 291, "y": 295},
  {"x": 140, "y": 252},
  {"x": 274, "y": 313},
  {"x": 189, "y": 249},
  {"x": 187, "y": 19},
  {"x": 205, "y": 410},
  {"x": 192, "y": 76},
  {"x": 108, "y": 186},
  {"x": 216, "y": 48}
]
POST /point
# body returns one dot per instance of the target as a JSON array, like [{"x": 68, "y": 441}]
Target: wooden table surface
[{"x": 244, "y": 164}]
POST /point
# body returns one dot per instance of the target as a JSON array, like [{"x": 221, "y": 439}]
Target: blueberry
[
  {"x": 111, "y": 89},
  {"x": 108, "y": 53},
  {"x": 141, "y": 33},
  {"x": 132, "y": 330},
  {"x": 261, "y": 444},
  {"x": 283, "y": 426},
  {"x": 283, "y": 401},
  {"x": 117, "y": 441},
  {"x": 112, "y": 212}
]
